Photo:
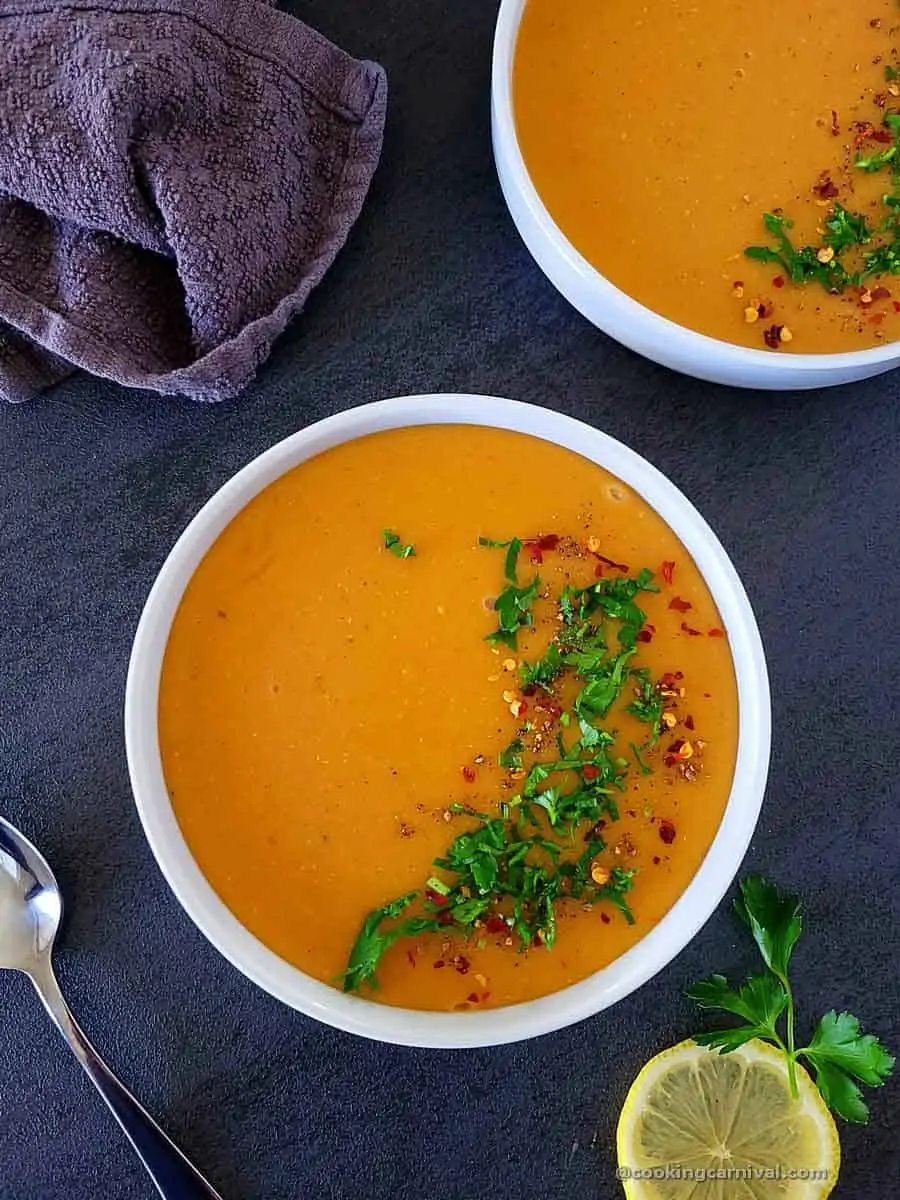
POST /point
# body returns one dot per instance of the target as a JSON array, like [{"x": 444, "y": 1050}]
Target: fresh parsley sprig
[
  {"x": 513, "y": 605},
  {"x": 841, "y": 1056}
]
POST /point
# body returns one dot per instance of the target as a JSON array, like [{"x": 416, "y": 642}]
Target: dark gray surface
[{"x": 435, "y": 292}]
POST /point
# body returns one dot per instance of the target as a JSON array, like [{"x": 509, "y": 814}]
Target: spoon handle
[{"x": 174, "y": 1176}]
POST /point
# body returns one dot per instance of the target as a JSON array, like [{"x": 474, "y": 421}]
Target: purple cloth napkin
[{"x": 176, "y": 176}]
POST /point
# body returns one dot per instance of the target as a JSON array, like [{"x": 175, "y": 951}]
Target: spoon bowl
[{"x": 30, "y": 902}]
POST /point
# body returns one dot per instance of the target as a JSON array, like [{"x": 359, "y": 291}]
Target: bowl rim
[
  {"x": 366, "y": 1017},
  {"x": 506, "y": 33}
]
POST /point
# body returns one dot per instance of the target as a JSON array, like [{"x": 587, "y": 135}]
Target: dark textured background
[{"x": 434, "y": 292}]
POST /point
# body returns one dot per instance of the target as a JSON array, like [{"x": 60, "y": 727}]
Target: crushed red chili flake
[
  {"x": 534, "y": 553},
  {"x": 435, "y": 897},
  {"x": 689, "y": 722},
  {"x": 881, "y": 135},
  {"x": 468, "y": 774},
  {"x": 656, "y": 860},
  {"x": 670, "y": 678},
  {"x": 552, "y": 710},
  {"x": 590, "y": 772},
  {"x": 881, "y": 293},
  {"x": 613, "y": 565},
  {"x": 897, "y": 306},
  {"x": 667, "y": 832},
  {"x": 668, "y": 571},
  {"x": 462, "y": 964},
  {"x": 644, "y": 636},
  {"x": 778, "y": 281},
  {"x": 440, "y": 963},
  {"x": 765, "y": 309},
  {"x": 549, "y": 541},
  {"x": 598, "y": 571},
  {"x": 687, "y": 629},
  {"x": 411, "y": 957},
  {"x": 772, "y": 336},
  {"x": 835, "y": 124},
  {"x": 680, "y": 605},
  {"x": 496, "y": 924},
  {"x": 604, "y": 917},
  {"x": 716, "y": 632},
  {"x": 825, "y": 188},
  {"x": 445, "y": 918},
  {"x": 472, "y": 997}
]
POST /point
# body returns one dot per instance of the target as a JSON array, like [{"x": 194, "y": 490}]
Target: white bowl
[
  {"x": 611, "y": 309},
  {"x": 365, "y": 1017}
]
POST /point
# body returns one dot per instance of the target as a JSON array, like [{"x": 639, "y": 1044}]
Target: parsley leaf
[
  {"x": 774, "y": 920},
  {"x": 393, "y": 543},
  {"x": 513, "y": 609},
  {"x": 373, "y": 942},
  {"x": 838, "y": 1052}
]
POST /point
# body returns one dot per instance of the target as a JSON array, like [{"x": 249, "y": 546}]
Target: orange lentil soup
[
  {"x": 659, "y": 136},
  {"x": 333, "y": 713}
]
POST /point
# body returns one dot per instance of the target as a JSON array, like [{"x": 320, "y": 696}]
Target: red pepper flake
[
  {"x": 656, "y": 860},
  {"x": 534, "y": 553},
  {"x": 670, "y": 679},
  {"x": 716, "y": 632},
  {"x": 881, "y": 293},
  {"x": 496, "y": 924},
  {"x": 468, "y": 774},
  {"x": 435, "y": 897},
  {"x": 604, "y": 917},
  {"x": 411, "y": 957},
  {"x": 689, "y": 722},
  {"x": 897, "y": 306},
  {"x": 772, "y": 336},
  {"x": 614, "y": 565},
  {"x": 598, "y": 571},
  {"x": 445, "y": 917},
  {"x": 549, "y": 541},
  {"x": 590, "y": 772},
  {"x": 680, "y": 605},
  {"x": 472, "y": 997},
  {"x": 667, "y": 832},
  {"x": 778, "y": 281},
  {"x": 671, "y": 757},
  {"x": 687, "y": 629},
  {"x": 668, "y": 572},
  {"x": 440, "y": 963},
  {"x": 765, "y": 309},
  {"x": 551, "y": 709},
  {"x": 825, "y": 188},
  {"x": 645, "y": 635},
  {"x": 537, "y": 940},
  {"x": 835, "y": 124},
  {"x": 462, "y": 964},
  {"x": 881, "y": 135}
]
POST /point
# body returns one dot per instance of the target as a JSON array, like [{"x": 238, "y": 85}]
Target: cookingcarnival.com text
[{"x": 705, "y": 1174}]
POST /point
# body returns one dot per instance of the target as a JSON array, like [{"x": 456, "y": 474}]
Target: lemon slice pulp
[{"x": 699, "y": 1125}]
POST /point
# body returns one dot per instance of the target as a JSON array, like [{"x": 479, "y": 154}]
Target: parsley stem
[{"x": 791, "y": 1050}]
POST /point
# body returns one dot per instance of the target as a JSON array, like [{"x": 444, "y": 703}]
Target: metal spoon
[{"x": 30, "y": 915}]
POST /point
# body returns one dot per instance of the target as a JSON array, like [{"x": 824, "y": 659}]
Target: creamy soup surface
[
  {"x": 658, "y": 136},
  {"x": 327, "y": 706}
]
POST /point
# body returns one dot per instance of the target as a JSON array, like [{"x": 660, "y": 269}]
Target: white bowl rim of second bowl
[
  {"x": 505, "y": 36},
  {"x": 365, "y": 1017}
]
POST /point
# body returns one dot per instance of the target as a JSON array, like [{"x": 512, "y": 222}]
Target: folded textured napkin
[{"x": 175, "y": 178}]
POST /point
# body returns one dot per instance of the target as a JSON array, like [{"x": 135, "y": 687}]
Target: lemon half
[{"x": 699, "y": 1125}]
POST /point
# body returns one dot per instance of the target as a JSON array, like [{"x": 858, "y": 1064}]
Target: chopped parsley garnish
[
  {"x": 393, "y": 543},
  {"x": 852, "y": 249},
  {"x": 509, "y": 870},
  {"x": 513, "y": 605},
  {"x": 841, "y": 1056}
]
